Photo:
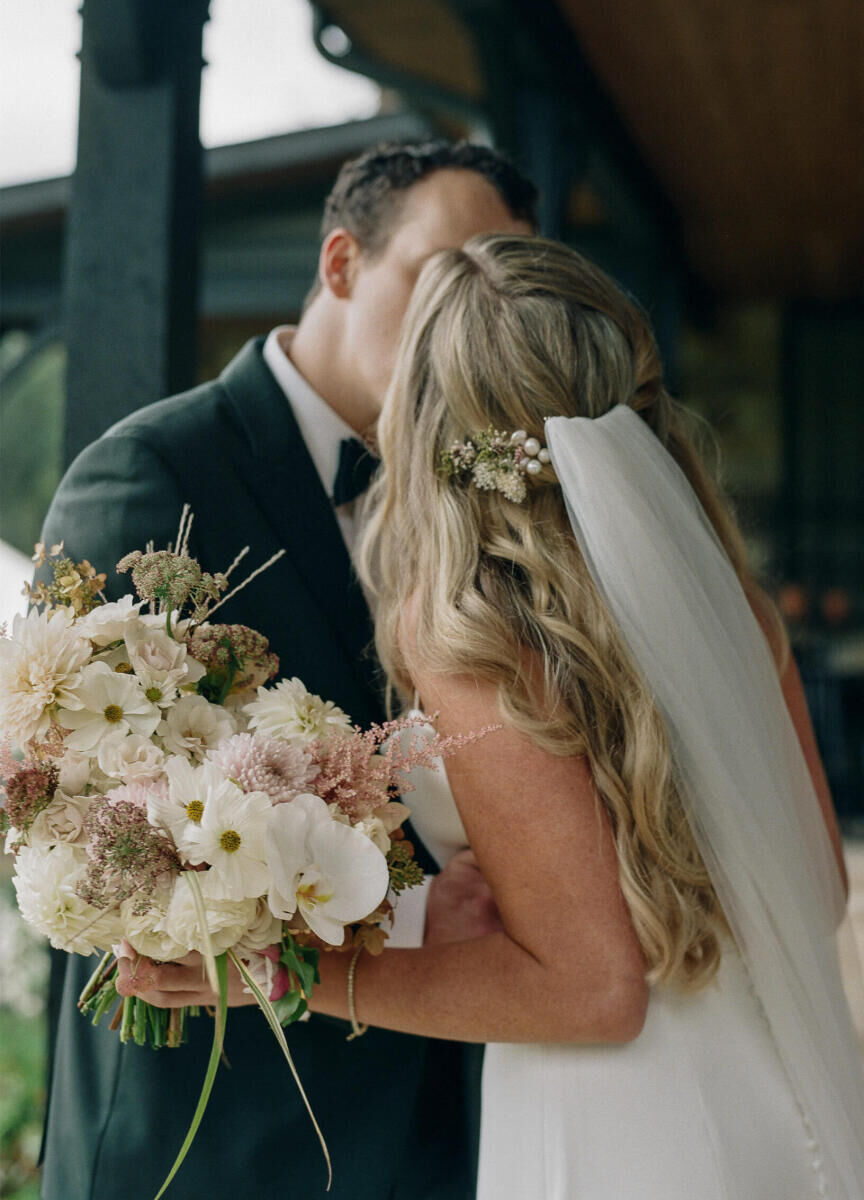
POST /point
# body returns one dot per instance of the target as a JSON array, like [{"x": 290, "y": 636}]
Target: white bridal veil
[{"x": 690, "y": 629}]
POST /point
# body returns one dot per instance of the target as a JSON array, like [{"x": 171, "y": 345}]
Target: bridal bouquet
[{"x": 163, "y": 792}]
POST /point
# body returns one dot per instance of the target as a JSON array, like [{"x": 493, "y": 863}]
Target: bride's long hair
[{"x": 508, "y": 331}]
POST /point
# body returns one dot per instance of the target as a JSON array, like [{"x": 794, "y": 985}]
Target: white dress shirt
[{"x": 323, "y": 430}]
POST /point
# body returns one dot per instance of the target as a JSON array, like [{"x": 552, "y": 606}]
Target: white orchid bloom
[
  {"x": 333, "y": 874},
  {"x": 103, "y": 703}
]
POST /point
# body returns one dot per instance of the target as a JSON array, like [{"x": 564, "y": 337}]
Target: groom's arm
[{"x": 117, "y": 496}]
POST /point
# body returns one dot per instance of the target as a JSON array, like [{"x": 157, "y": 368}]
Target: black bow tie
[{"x": 357, "y": 465}]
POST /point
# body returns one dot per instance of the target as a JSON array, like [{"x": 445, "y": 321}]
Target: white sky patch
[{"x": 263, "y": 77}]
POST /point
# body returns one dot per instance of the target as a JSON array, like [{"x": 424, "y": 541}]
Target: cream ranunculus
[
  {"x": 232, "y": 838},
  {"x": 102, "y": 703},
  {"x": 145, "y": 931},
  {"x": 129, "y": 756},
  {"x": 75, "y": 769},
  {"x": 266, "y": 930},
  {"x": 227, "y": 920},
  {"x": 38, "y": 663},
  {"x": 62, "y": 821},
  {"x": 45, "y": 885},
  {"x": 327, "y": 871},
  {"x": 162, "y": 663},
  {"x": 288, "y": 710},
  {"x": 193, "y": 726}
]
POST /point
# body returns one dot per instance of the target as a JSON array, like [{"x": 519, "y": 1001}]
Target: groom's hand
[
  {"x": 174, "y": 984},
  {"x": 460, "y": 903}
]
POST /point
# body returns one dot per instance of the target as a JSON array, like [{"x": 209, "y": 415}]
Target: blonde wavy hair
[{"x": 508, "y": 331}]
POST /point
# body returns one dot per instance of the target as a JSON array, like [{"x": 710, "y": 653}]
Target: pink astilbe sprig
[
  {"x": 364, "y": 770},
  {"x": 126, "y": 855},
  {"x": 262, "y": 764}
]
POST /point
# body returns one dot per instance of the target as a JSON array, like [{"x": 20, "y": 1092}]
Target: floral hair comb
[{"x": 496, "y": 461}]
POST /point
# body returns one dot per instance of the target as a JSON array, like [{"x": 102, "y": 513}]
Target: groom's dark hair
[{"x": 369, "y": 189}]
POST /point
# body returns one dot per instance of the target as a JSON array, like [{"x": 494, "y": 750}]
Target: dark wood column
[{"x": 132, "y": 247}]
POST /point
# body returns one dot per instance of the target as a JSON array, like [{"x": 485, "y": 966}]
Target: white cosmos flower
[
  {"x": 181, "y": 809},
  {"x": 232, "y": 838},
  {"x": 107, "y": 623},
  {"x": 38, "y": 662},
  {"x": 227, "y": 920},
  {"x": 288, "y": 710},
  {"x": 129, "y": 756},
  {"x": 103, "y": 702},
  {"x": 193, "y": 725},
  {"x": 45, "y": 884},
  {"x": 330, "y": 872}
]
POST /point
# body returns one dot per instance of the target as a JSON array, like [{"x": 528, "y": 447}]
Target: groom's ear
[{"x": 337, "y": 263}]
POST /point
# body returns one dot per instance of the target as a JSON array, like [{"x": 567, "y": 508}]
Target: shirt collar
[{"x": 322, "y": 429}]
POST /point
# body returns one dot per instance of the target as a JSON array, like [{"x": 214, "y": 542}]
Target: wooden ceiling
[{"x": 749, "y": 114}]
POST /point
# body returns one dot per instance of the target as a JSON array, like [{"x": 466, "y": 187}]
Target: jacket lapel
[{"x": 285, "y": 483}]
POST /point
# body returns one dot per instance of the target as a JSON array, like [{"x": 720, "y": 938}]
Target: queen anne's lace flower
[
  {"x": 264, "y": 764},
  {"x": 288, "y": 711},
  {"x": 328, "y": 872},
  {"x": 105, "y": 702},
  {"x": 38, "y": 664}
]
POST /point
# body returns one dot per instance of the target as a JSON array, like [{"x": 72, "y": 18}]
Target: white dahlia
[
  {"x": 38, "y": 663},
  {"x": 289, "y": 711},
  {"x": 45, "y": 885}
]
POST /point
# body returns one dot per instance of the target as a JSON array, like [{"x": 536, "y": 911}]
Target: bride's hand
[
  {"x": 173, "y": 984},
  {"x": 460, "y": 903}
]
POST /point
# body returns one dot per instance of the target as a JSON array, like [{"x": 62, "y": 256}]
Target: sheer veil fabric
[{"x": 690, "y": 629}]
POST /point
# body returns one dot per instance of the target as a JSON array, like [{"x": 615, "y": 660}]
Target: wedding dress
[{"x": 697, "y": 1107}]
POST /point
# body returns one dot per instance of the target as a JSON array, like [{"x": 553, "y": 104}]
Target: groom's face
[{"x": 440, "y": 212}]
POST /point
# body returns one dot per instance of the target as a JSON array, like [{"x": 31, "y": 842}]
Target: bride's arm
[{"x": 567, "y": 965}]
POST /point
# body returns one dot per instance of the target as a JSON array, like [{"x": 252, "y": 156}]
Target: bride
[{"x": 661, "y": 1001}]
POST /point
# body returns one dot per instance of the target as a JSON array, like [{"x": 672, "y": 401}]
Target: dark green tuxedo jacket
[{"x": 399, "y": 1113}]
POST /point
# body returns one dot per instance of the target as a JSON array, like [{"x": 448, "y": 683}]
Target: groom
[{"x": 266, "y": 456}]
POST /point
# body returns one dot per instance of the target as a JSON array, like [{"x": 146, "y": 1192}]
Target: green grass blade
[
  {"x": 209, "y": 957},
  {"x": 274, "y": 1023},
  {"x": 213, "y": 1065}
]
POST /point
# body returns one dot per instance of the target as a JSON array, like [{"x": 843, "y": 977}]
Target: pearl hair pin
[{"x": 497, "y": 461}]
